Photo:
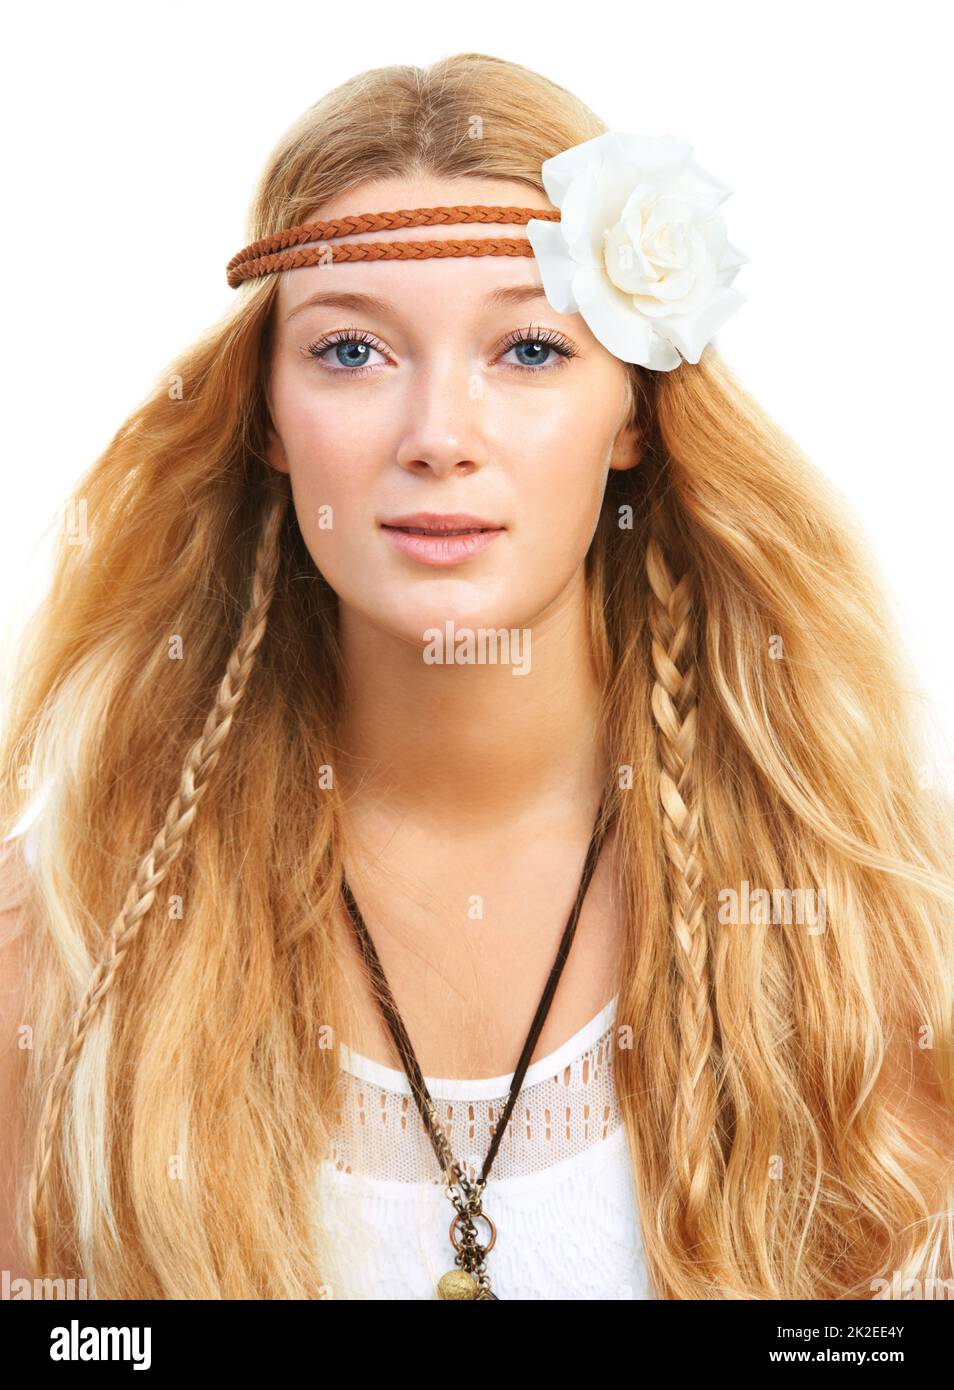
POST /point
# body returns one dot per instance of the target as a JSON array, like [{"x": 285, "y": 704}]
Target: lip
[{"x": 441, "y": 546}]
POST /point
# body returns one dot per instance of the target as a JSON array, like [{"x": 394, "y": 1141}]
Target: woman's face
[{"x": 413, "y": 395}]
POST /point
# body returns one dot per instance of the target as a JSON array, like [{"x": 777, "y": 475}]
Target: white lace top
[{"x": 560, "y": 1190}]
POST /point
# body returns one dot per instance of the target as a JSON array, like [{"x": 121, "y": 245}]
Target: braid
[
  {"x": 674, "y": 709},
  {"x": 199, "y": 764}
]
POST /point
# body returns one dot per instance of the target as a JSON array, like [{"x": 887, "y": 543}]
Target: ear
[
  {"x": 627, "y": 448},
  {"x": 275, "y": 451}
]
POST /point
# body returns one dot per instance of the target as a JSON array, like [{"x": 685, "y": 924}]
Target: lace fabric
[{"x": 567, "y": 1104}]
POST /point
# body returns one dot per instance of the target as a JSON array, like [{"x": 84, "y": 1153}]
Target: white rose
[{"x": 641, "y": 250}]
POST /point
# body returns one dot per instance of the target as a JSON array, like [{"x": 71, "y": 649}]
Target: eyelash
[{"x": 546, "y": 336}]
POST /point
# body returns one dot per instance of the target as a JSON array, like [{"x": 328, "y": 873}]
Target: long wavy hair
[{"x": 177, "y": 691}]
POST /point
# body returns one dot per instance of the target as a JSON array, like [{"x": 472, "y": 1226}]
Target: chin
[{"x": 420, "y": 625}]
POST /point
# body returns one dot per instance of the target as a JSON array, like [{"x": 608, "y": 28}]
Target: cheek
[
  {"x": 557, "y": 525},
  {"x": 559, "y": 471},
  {"x": 330, "y": 455}
]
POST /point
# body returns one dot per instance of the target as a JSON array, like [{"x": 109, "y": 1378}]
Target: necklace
[{"x": 469, "y": 1278}]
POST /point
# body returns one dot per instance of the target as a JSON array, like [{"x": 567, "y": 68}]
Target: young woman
[{"x": 325, "y": 899}]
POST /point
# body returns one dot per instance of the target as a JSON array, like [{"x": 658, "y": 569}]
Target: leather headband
[{"x": 287, "y": 250}]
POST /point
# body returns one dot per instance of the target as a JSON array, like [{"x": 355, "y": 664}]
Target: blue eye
[
  {"x": 351, "y": 350},
  {"x": 542, "y": 351},
  {"x": 541, "y": 344},
  {"x": 345, "y": 353}
]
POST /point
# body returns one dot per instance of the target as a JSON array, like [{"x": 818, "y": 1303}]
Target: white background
[{"x": 134, "y": 135}]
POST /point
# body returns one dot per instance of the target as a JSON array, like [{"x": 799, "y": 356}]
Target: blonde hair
[{"x": 190, "y": 1038}]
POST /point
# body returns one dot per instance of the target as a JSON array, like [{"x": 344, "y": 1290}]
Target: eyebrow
[{"x": 505, "y": 295}]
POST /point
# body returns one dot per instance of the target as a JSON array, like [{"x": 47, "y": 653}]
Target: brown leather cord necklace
[{"x": 469, "y": 1278}]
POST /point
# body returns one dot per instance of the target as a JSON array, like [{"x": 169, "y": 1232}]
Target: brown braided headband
[{"x": 267, "y": 255}]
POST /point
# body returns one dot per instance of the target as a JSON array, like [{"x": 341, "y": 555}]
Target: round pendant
[
  {"x": 484, "y": 1249},
  {"x": 457, "y": 1283}
]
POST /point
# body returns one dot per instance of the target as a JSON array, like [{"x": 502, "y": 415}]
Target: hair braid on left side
[{"x": 155, "y": 864}]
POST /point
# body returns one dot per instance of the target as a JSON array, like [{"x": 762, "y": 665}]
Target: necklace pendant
[
  {"x": 468, "y": 1280},
  {"x": 457, "y": 1284}
]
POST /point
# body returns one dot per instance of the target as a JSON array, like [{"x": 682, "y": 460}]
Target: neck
[{"x": 474, "y": 745}]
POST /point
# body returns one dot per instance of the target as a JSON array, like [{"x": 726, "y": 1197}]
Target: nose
[{"x": 444, "y": 427}]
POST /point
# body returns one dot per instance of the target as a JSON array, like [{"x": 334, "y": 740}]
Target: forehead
[{"x": 398, "y": 281}]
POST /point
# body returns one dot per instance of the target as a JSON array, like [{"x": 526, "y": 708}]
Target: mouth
[{"x": 433, "y": 539}]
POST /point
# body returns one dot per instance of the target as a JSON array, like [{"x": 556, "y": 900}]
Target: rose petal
[
  {"x": 610, "y": 317},
  {"x": 640, "y": 275},
  {"x": 682, "y": 292},
  {"x": 651, "y": 155},
  {"x": 584, "y": 210},
  {"x": 697, "y": 182},
  {"x": 640, "y": 196},
  {"x": 561, "y": 169},
  {"x": 690, "y": 332},
  {"x": 733, "y": 258},
  {"x": 711, "y": 228},
  {"x": 647, "y": 154},
  {"x": 557, "y": 266},
  {"x": 608, "y": 207}
]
